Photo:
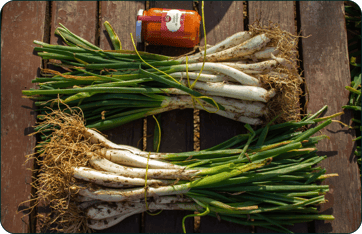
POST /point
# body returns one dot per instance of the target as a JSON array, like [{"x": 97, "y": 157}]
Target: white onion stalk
[
  {"x": 117, "y": 195},
  {"x": 264, "y": 98},
  {"x": 109, "y": 179},
  {"x": 127, "y": 158},
  {"x": 97, "y": 138},
  {"x": 203, "y": 77},
  {"x": 106, "y": 165},
  {"x": 285, "y": 63},
  {"x": 237, "y": 75},
  {"x": 86, "y": 204},
  {"x": 234, "y": 116},
  {"x": 109, "y": 222},
  {"x": 107, "y": 210},
  {"x": 186, "y": 102},
  {"x": 83, "y": 199},
  {"x": 232, "y": 110},
  {"x": 243, "y": 107},
  {"x": 202, "y": 48},
  {"x": 260, "y": 67},
  {"x": 271, "y": 94},
  {"x": 229, "y": 42},
  {"x": 246, "y": 48},
  {"x": 243, "y": 92},
  {"x": 263, "y": 54}
]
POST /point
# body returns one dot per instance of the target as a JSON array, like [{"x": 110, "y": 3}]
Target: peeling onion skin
[{"x": 242, "y": 92}]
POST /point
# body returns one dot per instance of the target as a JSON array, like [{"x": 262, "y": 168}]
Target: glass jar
[{"x": 170, "y": 27}]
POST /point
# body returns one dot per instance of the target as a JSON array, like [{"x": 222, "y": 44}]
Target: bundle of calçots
[
  {"x": 264, "y": 178},
  {"x": 250, "y": 77}
]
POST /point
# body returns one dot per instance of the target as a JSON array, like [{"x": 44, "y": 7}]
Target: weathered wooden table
[{"x": 324, "y": 61}]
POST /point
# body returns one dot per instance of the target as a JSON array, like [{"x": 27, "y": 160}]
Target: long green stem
[{"x": 96, "y": 90}]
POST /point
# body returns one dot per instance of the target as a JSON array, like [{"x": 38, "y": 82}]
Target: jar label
[{"x": 173, "y": 21}]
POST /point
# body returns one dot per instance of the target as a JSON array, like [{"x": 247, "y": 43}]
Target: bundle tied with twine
[
  {"x": 71, "y": 149},
  {"x": 279, "y": 76},
  {"x": 68, "y": 147}
]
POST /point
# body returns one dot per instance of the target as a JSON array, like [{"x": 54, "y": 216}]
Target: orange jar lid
[{"x": 170, "y": 27}]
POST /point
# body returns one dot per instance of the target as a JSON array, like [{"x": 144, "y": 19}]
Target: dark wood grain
[
  {"x": 176, "y": 132},
  {"x": 130, "y": 133},
  {"x": 327, "y": 72},
  {"x": 22, "y": 22}
]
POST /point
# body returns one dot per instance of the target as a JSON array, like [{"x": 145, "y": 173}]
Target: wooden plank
[
  {"x": 222, "y": 19},
  {"x": 131, "y": 133},
  {"x": 78, "y": 16},
  {"x": 22, "y": 22},
  {"x": 177, "y": 136},
  {"x": 283, "y": 14},
  {"x": 280, "y": 12},
  {"x": 326, "y": 70}
]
